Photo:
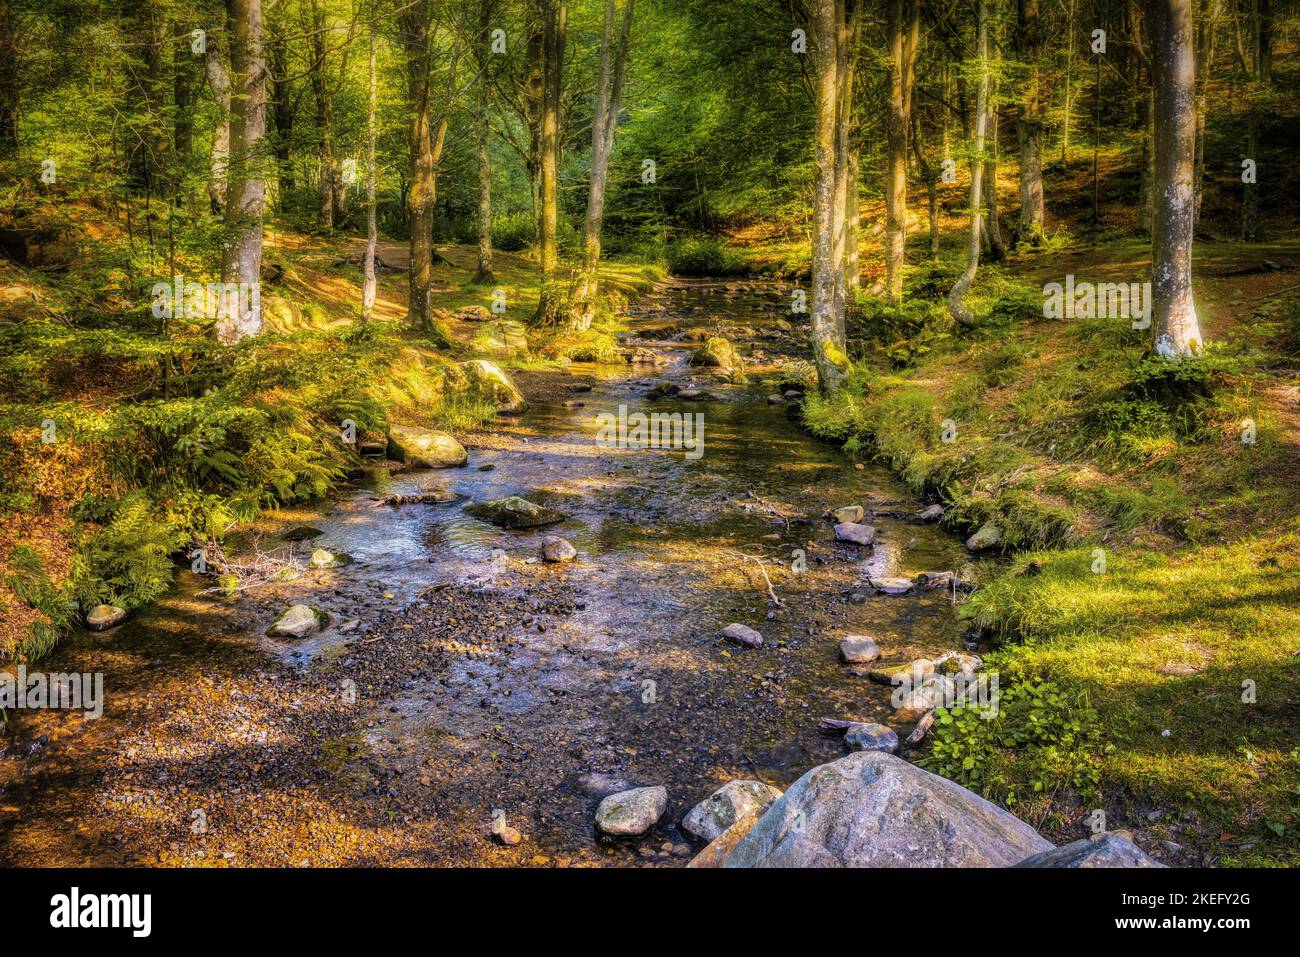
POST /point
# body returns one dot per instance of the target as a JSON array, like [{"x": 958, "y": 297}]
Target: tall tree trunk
[
  {"x": 846, "y": 46},
  {"x": 1205, "y": 31},
  {"x": 993, "y": 222},
  {"x": 929, "y": 175},
  {"x": 1261, "y": 69},
  {"x": 852, "y": 217},
  {"x": 1177, "y": 332},
  {"x": 246, "y": 195},
  {"x": 554, "y": 24},
  {"x": 483, "y": 273},
  {"x": 827, "y": 271},
  {"x": 372, "y": 231},
  {"x": 219, "y": 83},
  {"x": 329, "y": 172},
  {"x": 1029, "y": 127},
  {"x": 183, "y": 76},
  {"x": 1067, "y": 117},
  {"x": 8, "y": 82},
  {"x": 283, "y": 110},
  {"x": 609, "y": 93},
  {"x": 956, "y": 304},
  {"x": 904, "y": 34},
  {"x": 426, "y": 140}
]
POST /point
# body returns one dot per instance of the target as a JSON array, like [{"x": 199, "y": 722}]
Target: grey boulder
[
  {"x": 872, "y": 809},
  {"x": 631, "y": 813},
  {"x": 1107, "y": 850},
  {"x": 725, "y": 806}
]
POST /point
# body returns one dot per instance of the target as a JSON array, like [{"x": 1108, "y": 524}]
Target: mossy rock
[
  {"x": 514, "y": 512},
  {"x": 717, "y": 352},
  {"x": 426, "y": 448},
  {"x": 486, "y": 382}
]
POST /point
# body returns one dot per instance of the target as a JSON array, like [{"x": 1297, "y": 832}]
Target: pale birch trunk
[{"x": 1177, "y": 332}]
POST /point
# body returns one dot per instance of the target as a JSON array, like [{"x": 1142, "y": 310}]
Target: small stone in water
[{"x": 742, "y": 635}]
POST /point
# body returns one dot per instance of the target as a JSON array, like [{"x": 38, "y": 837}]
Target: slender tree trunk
[
  {"x": 415, "y": 33},
  {"x": 846, "y": 46},
  {"x": 1205, "y": 31},
  {"x": 329, "y": 172},
  {"x": 219, "y": 83},
  {"x": 283, "y": 110},
  {"x": 930, "y": 177},
  {"x": 1067, "y": 117},
  {"x": 904, "y": 33},
  {"x": 956, "y": 305},
  {"x": 483, "y": 273},
  {"x": 852, "y": 218},
  {"x": 1177, "y": 332},
  {"x": 555, "y": 22},
  {"x": 372, "y": 231},
  {"x": 8, "y": 82},
  {"x": 1260, "y": 66},
  {"x": 827, "y": 271},
  {"x": 609, "y": 92},
  {"x": 246, "y": 196},
  {"x": 1029, "y": 127},
  {"x": 183, "y": 76},
  {"x": 993, "y": 222}
]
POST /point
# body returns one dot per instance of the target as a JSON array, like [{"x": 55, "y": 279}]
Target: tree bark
[
  {"x": 904, "y": 34},
  {"x": 609, "y": 93},
  {"x": 1029, "y": 126},
  {"x": 1177, "y": 332},
  {"x": 324, "y": 97},
  {"x": 246, "y": 195},
  {"x": 554, "y": 24},
  {"x": 372, "y": 231},
  {"x": 219, "y": 83},
  {"x": 827, "y": 270},
  {"x": 483, "y": 273},
  {"x": 283, "y": 110},
  {"x": 9, "y": 95},
  {"x": 956, "y": 305}
]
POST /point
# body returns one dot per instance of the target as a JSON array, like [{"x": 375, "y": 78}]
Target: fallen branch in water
[
  {"x": 771, "y": 592},
  {"x": 262, "y": 569}
]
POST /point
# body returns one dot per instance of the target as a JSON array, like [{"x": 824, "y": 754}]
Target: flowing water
[{"x": 561, "y": 682}]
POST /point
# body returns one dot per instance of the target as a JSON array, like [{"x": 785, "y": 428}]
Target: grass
[{"x": 1071, "y": 442}]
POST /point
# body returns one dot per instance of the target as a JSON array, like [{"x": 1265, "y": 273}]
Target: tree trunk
[
  {"x": 929, "y": 175},
  {"x": 246, "y": 195},
  {"x": 427, "y": 137},
  {"x": 329, "y": 172},
  {"x": 993, "y": 223},
  {"x": 609, "y": 92},
  {"x": 852, "y": 218},
  {"x": 219, "y": 83},
  {"x": 904, "y": 33},
  {"x": 8, "y": 83},
  {"x": 554, "y": 24},
  {"x": 827, "y": 271},
  {"x": 283, "y": 110},
  {"x": 483, "y": 273},
  {"x": 956, "y": 306},
  {"x": 1206, "y": 29},
  {"x": 1177, "y": 332},
  {"x": 1067, "y": 118},
  {"x": 372, "y": 231},
  {"x": 1029, "y": 127},
  {"x": 183, "y": 76}
]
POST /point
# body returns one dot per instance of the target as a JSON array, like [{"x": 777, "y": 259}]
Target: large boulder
[
  {"x": 298, "y": 621},
  {"x": 717, "y": 352},
  {"x": 855, "y": 533},
  {"x": 989, "y": 536},
  {"x": 872, "y": 809},
  {"x": 725, "y": 806},
  {"x": 514, "y": 512},
  {"x": 486, "y": 382},
  {"x": 631, "y": 813},
  {"x": 104, "y": 617},
  {"x": 1106, "y": 850},
  {"x": 425, "y": 448},
  {"x": 501, "y": 339},
  {"x": 716, "y": 853}
]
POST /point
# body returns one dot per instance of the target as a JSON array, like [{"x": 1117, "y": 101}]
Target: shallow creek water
[{"x": 611, "y": 673}]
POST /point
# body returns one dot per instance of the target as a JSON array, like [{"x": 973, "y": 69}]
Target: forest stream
[{"x": 486, "y": 680}]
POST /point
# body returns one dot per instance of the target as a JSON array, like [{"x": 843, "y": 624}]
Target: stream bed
[{"x": 460, "y": 677}]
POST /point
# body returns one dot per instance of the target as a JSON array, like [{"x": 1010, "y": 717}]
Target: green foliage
[
  {"x": 703, "y": 256},
  {"x": 512, "y": 233},
  {"x": 1041, "y": 738},
  {"x": 29, "y": 581},
  {"x": 127, "y": 561},
  {"x": 903, "y": 333}
]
